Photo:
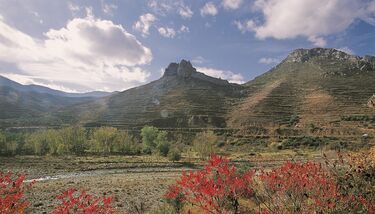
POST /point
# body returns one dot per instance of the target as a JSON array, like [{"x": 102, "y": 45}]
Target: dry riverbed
[{"x": 132, "y": 181}]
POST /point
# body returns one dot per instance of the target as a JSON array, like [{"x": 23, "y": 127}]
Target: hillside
[
  {"x": 182, "y": 97},
  {"x": 324, "y": 90},
  {"x": 23, "y": 105}
]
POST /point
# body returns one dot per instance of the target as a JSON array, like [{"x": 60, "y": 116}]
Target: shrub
[
  {"x": 162, "y": 143},
  {"x": 73, "y": 201},
  {"x": 174, "y": 155},
  {"x": 204, "y": 143},
  {"x": 12, "y": 189},
  {"x": 215, "y": 189},
  {"x": 297, "y": 188},
  {"x": 291, "y": 188},
  {"x": 149, "y": 135}
]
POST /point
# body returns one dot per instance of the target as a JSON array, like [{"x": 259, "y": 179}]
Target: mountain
[
  {"x": 322, "y": 89},
  {"x": 182, "y": 97},
  {"x": 315, "y": 92},
  {"x": 45, "y": 90},
  {"x": 25, "y": 104}
]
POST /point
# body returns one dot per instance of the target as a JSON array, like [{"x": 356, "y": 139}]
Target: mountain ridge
[
  {"x": 43, "y": 89},
  {"x": 317, "y": 86}
]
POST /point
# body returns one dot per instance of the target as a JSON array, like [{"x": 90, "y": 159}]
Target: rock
[
  {"x": 371, "y": 102},
  {"x": 304, "y": 55},
  {"x": 185, "y": 69},
  {"x": 341, "y": 63},
  {"x": 171, "y": 70}
]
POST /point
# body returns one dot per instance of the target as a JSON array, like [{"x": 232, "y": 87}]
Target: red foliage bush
[
  {"x": 298, "y": 188},
  {"x": 73, "y": 201},
  {"x": 215, "y": 189},
  {"x": 291, "y": 188},
  {"x": 12, "y": 189}
]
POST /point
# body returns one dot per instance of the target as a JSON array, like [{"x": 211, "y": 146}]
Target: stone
[
  {"x": 185, "y": 69},
  {"x": 171, "y": 70}
]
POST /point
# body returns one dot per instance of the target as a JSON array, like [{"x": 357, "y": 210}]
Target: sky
[{"x": 113, "y": 45}]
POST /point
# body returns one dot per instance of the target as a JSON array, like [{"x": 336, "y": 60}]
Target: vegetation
[
  {"x": 12, "y": 193},
  {"x": 72, "y": 201},
  {"x": 294, "y": 187},
  {"x": 204, "y": 144}
]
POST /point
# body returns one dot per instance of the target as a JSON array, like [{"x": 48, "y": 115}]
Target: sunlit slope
[{"x": 316, "y": 86}]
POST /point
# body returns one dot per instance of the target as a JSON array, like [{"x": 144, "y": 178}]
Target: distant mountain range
[
  {"x": 26, "y": 104},
  {"x": 5, "y": 82},
  {"x": 318, "y": 87}
]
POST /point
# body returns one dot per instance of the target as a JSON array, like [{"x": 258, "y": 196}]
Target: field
[{"x": 135, "y": 182}]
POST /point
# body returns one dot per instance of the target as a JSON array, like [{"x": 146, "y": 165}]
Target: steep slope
[
  {"x": 317, "y": 87},
  {"x": 183, "y": 97}
]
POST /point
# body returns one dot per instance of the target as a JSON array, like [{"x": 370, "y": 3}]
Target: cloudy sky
[{"x": 108, "y": 45}]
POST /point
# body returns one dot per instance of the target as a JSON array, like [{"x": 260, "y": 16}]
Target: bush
[
  {"x": 12, "y": 189},
  {"x": 291, "y": 188},
  {"x": 149, "y": 135},
  {"x": 204, "y": 144},
  {"x": 215, "y": 189},
  {"x": 174, "y": 155},
  {"x": 162, "y": 143},
  {"x": 73, "y": 201}
]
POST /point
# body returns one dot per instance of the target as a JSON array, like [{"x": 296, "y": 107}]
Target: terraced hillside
[
  {"x": 322, "y": 89},
  {"x": 183, "y": 97}
]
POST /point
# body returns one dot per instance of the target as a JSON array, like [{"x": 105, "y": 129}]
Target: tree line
[{"x": 77, "y": 140}]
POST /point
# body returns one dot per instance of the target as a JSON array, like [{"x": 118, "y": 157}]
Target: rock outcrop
[
  {"x": 185, "y": 70},
  {"x": 333, "y": 62}
]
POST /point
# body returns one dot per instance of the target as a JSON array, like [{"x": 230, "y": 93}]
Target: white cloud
[
  {"x": 285, "y": 19},
  {"x": 267, "y": 61},
  {"x": 198, "y": 60},
  {"x": 144, "y": 23},
  {"x": 346, "y": 50},
  {"x": 185, "y": 12},
  {"x": 164, "y": 7},
  {"x": 223, "y": 74},
  {"x": 89, "y": 54},
  {"x": 246, "y": 26},
  {"x": 209, "y": 9},
  {"x": 231, "y": 4},
  {"x": 167, "y": 32},
  {"x": 73, "y": 8},
  {"x": 184, "y": 29},
  {"x": 108, "y": 8},
  {"x": 317, "y": 41}
]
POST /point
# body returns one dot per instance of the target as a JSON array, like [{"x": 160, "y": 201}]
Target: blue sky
[{"x": 109, "y": 45}]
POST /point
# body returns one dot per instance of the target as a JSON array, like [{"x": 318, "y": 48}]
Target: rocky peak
[
  {"x": 183, "y": 69},
  {"x": 304, "y": 55},
  {"x": 329, "y": 56}
]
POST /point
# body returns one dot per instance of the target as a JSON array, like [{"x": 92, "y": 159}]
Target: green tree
[
  {"x": 162, "y": 143},
  {"x": 71, "y": 140},
  {"x": 126, "y": 144},
  {"x": 38, "y": 142},
  {"x": 103, "y": 140},
  {"x": 204, "y": 144},
  {"x": 149, "y": 135}
]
